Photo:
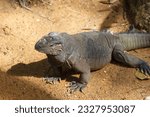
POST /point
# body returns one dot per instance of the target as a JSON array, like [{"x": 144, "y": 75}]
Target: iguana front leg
[
  {"x": 83, "y": 81},
  {"x": 121, "y": 56},
  {"x": 53, "y": 75},
  {"x": 84, "y": 69}
]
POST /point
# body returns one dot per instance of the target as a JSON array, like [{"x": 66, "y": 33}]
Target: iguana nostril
[{"x": 37, "y": 46}]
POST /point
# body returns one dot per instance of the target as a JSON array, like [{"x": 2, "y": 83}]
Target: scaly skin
[{"x": 84, "y": 52}]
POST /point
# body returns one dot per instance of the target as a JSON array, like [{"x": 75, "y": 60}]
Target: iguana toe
[
  {"x": 52, "y": 80},
  {"x": 76, "y": 86},
  {"x": 144, "y": 68}
]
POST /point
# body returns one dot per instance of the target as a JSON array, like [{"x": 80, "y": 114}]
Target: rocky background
[{"x": 138, "y": 13}]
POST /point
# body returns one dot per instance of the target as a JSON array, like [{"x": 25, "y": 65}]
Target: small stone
[
  {"x": 7, "y": 30},
  {"x": 37, "y": 20},
  {"x": 141, "y": 76},
  {"x": 4, "y": 53},
  {"x": 147, "y": 98}
]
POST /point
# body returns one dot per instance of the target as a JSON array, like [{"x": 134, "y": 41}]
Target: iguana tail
[{"x": 134, "y": 40}]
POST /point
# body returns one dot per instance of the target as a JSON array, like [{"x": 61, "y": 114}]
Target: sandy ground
[{"x": 22, "y": 68}]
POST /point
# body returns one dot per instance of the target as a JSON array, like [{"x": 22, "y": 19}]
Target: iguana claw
[
  {"x": 76, "y": 86},
  {"x": 52, "y": 80},
  {"x": 144, "y": 68}
]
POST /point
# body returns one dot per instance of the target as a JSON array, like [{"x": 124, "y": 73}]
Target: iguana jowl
[{"x": 88, "y": 51}]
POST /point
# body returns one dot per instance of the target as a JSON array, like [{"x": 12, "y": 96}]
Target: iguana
[{"x": 87, "y": 51}]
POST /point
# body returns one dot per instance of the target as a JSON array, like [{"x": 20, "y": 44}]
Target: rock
[
  {"x": 141, "y": 76},
  {"x": 6, "y": 30},
  {"x": 147, "y": 98}
]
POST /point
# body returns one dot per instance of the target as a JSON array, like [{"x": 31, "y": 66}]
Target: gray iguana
[{"x": 87, "y": 51}]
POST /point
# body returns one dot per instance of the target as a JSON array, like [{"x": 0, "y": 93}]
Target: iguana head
[{"x": 51, "y": 44}]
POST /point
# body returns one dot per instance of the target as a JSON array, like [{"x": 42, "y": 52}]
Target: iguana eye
[{"x": 49, "y": 39}]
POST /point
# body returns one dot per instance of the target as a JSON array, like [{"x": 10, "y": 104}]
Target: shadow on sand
[{"x": 16, "y": 88}]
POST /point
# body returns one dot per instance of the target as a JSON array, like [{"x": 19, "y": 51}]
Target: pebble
[
  {"x": 147, "y": 98},
  {"x": 7, "y": 30},
  {"x": 37, "y": 20}
]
